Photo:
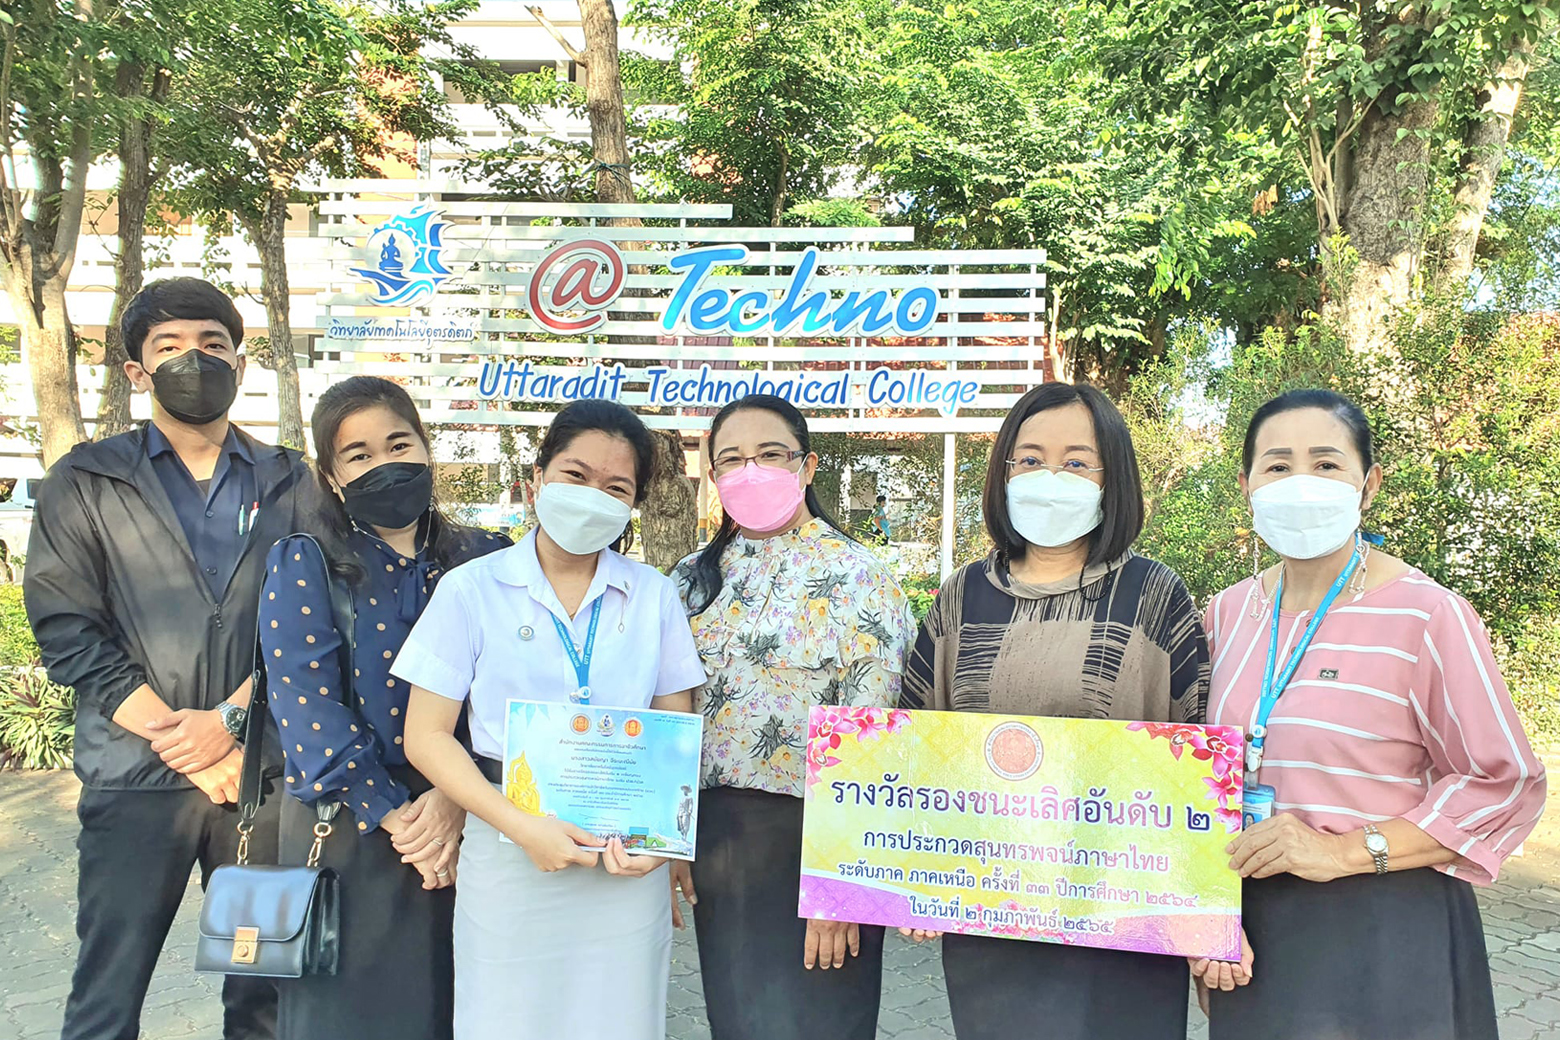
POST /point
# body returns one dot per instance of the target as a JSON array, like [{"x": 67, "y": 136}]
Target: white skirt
[{"x": 578, "y": 954}]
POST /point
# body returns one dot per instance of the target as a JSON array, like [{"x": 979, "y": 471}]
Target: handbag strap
[{"x": 251, "y": 793}]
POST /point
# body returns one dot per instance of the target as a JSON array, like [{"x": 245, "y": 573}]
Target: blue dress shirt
[
  {"x": 332, "y": 747},
  {"x": 216, "y": 520}
]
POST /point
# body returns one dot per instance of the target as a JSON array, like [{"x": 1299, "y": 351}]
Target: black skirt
[
  {"x": 748, "y": 875},
  {"x": 1013, "y": 989},
  {"x": 397, "y": 972},
  {"x": 1395, "y": 957}
]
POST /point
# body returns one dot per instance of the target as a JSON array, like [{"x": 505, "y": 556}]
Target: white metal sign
[{"x": 854, "y": 325}]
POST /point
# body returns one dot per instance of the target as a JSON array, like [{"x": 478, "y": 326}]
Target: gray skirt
[
  {"x": 1396, "y": 957},
  {"x": 579, "y": 954}
]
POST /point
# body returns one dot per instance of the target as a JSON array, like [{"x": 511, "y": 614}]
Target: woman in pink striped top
[{"x": 1401, "y": 773}]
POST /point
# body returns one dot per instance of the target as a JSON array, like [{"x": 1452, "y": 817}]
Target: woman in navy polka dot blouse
[{"x": 397, "y": 841}]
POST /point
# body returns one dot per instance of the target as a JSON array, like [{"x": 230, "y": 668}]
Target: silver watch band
[{"x": 1376, "y": 845}]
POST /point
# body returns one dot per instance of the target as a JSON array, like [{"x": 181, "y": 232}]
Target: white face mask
[
  {"x": 1304, "y": 517},
  {"x": 582, "y": 520},
  {"x": 1052, "y": 509}
]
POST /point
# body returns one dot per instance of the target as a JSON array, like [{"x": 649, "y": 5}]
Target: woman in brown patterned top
[{"x": 1062, "y": 619}]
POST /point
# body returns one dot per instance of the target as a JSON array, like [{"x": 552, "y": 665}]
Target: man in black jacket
[{"x": 142, "y": 584}]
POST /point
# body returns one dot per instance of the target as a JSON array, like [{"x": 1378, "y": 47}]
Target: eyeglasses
[
  {"x": 1030, "y": 464},
  {"x": 774, "y": 458}
]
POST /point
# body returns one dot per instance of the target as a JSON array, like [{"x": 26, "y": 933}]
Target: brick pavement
[{"x": 37, "y": 908}]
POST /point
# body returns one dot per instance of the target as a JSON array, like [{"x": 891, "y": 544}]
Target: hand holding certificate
[{"x": 625, "y": 774}]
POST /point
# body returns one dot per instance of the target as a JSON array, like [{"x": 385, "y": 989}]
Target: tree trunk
[
  {"x": 49, "y": 348},
  {"x": 669, "y": 518},
  {"x": 663, "y": 518},
  {"x": 1484, "y": 150},
  {"x": 1383, "y": 220},
  {"x": 777, "y": 205},
  {"x": 135, "y": 190},
  {"x": 270, "y": 240},
  {"x": 39, "y": 251},
  {"x": 604, "y": 102}
]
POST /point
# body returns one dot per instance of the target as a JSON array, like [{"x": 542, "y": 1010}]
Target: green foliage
[
  {"x": 274, "y": 89},
  {"x": 768, "y": 114},
  {"x": 1470, "y": 453},
  {"x": 1527, "y": 659},
  {"x": 37, "y": 721},
  {"x": 831, "y": 213},
  {"x": 18, "y": 649}
]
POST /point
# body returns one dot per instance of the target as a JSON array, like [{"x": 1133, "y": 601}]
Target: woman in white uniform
[{"x": 553, "y": 941}]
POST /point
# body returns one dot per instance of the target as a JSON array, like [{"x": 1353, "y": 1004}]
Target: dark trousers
[{"x": 134, "y": 857}]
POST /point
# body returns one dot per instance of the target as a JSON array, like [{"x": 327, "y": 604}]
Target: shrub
[
  {"x": 37, "y": 721},
  {"x": 18, "y": 649}
]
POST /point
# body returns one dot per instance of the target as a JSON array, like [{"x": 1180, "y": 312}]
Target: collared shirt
[
  {"x": 488, "y": 635},
  {"x": 1397, "y": 709},
  {"x": 215, "y": 520},
  {"x": 334, "y": 748},
  {"x": 802, "y": 618}
]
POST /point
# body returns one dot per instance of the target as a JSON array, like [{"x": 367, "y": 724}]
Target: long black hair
[
  {"x": 708, "y": 576},
  {"x": 1122, "y": 502},
  {"x": 333, "y": 526},
  {"x": 1334, "y": 404},
  {"x": 602, "y": 416}
]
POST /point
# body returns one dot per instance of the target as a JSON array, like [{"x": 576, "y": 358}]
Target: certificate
[
  {"x": 621, "y": 773},
  {"x": 1081, "y": 831}
]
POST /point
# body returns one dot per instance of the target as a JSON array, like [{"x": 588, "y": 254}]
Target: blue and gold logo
[{"x": 409, "y": 264}]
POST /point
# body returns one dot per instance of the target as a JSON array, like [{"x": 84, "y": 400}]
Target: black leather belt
[{"x": 492, "y": 769}]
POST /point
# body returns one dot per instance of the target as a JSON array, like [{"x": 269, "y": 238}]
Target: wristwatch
[
  {"x": 233, "y": 719},
  {"x": 1376, "y": 845}
]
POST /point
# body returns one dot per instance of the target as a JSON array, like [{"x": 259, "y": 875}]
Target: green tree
[
  {"x": 49, "y": 55},
  {"x": 282, "y": 90},
  {"x": 765, "y": 90},
  {"x": 1395, "y": 115},
  {"x": 997, "y": 126}
]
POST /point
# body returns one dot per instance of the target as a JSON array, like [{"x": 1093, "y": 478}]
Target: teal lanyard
[
  {"x": 1271, "y": 688},
  {"x": 580, "y": 661}
]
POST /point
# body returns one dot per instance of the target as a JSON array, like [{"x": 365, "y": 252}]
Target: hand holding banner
[{"x": 1090, "y": 832}]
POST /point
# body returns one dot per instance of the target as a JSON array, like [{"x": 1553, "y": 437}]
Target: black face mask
[
  {"x": 390, "y": 496},
  {"x": 195, "y": 387}
]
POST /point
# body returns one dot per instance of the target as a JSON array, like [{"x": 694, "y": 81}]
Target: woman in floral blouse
[{"x": 787, "y": 613}]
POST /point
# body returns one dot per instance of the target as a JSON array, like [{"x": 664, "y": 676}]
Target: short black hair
[
  {"x": 882, "y": 499},
  {"x": 609, "y": 417},
  {"x": 1334, "y": 404},
  {"x": 1122, "y": 503},
  {"x": 176, "y": 299}
]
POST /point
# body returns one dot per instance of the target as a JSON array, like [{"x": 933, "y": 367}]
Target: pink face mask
[{"x": 760, "y": 498}]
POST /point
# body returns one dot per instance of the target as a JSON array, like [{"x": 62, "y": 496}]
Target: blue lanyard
[
  {"x": 581, "y": 662},
  {"x": 1271, "y": 688}
]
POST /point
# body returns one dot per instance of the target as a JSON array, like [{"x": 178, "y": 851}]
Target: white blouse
[{"x": 488, "y": 635}]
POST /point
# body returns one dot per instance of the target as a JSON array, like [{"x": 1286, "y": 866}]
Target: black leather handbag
[{"x": 276, "y": 921}]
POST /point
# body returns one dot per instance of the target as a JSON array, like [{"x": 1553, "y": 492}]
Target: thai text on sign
[{"x": 1080, "y": 831}]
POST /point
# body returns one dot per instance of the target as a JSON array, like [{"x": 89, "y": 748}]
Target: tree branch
[
  {"x": 552, "y": 30},
  {"x": 74, "y": 200}
]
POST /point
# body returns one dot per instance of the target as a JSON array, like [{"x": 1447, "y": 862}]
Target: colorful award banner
[
  {"x": 1080, "y": 831},
  {"x": 617, "y": 772}
]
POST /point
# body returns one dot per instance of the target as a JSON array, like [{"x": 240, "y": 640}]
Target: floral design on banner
[
  {"x": 1223, "y": 757},
  {"x": 828, "y": 731}
]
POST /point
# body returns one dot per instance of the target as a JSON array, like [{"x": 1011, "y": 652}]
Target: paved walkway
[{"x": 37, "y": 914}]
